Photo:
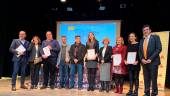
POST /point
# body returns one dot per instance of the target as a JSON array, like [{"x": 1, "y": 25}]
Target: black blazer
[
  {"x": 107, "y": 56},
  {"x": 153, "y": 50},
  {"x": 95, "y": 46},
  {"x": 32, "y": 52},
  {"x": 81, "y": 53}
]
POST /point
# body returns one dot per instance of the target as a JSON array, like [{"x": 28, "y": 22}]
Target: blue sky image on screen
[{"x": 100, "y": 30}]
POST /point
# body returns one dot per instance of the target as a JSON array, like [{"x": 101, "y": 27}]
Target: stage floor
[{"x": 5, "y": 90}]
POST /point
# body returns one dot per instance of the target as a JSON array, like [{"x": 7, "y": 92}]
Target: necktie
[{"x": 145, "y": 46}]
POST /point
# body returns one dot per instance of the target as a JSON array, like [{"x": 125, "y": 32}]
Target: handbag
[{"x": 37, "y": 60}]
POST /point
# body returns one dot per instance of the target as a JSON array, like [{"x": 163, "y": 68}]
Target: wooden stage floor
[{"x": 5, "y": 90}]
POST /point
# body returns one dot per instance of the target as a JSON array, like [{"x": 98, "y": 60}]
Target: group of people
[{"x": 72, "y": 59}]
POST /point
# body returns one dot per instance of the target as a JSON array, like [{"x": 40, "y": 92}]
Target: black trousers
[
  {"x": 134, "y": 79},
  {"x": 150, "y": 73},
  {"x": 49, "y": 69},
  {"x": 34, "y": 70},
  {"x": 91, "y": 76}
]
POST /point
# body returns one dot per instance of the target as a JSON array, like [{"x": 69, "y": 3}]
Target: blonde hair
[{"x": 121, "y": 40}]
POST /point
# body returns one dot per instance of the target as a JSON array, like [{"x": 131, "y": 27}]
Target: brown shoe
[{"x": 24, "y": 87}]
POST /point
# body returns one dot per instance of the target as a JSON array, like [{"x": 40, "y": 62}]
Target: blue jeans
[
  {"x": 63, "y": 73},
  {"x": 16, "y": 67},
  {"x": 80, "y": 75}
]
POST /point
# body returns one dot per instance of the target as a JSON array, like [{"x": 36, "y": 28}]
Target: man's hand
[
  {"x": 75, "y": 61},
  {"x": 44, "y": 56},
  {"x": 49, "y": 46},
  {"x": 144, "y": 61},
  {"x": 148, "y": 61},
  {"x": 67, "y": 60},
  {"x": 20, "y": 53}
]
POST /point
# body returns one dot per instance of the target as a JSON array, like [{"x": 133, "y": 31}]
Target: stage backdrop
[
  {"x": 101, "y": 29},
  {"x": 164, "y": 36}
]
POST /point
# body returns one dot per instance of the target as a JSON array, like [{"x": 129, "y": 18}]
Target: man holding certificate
[
  {"x": 50, "y": 51},
  {"x": 149, "y": 49},
  {"x": 119, "y": 68},
  {"x": 92, "y": 46},
  {"x": 133, "y": 64},
  {"x": 20, "y": 58}
]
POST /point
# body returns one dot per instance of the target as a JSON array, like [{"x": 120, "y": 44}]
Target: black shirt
[{"x": 134, "y": 48}]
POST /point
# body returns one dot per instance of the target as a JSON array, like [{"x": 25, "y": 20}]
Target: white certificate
[
  {"x": 117, "y": 58},
  {"x": 90, "y": 54},
  {"x": 131, "y": 57},
  {"x": 21, "y": 48},
  {"x": 46, "y": 51}
]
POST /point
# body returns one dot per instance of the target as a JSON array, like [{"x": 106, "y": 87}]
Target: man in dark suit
[
  {"x": 20, "y": 59},
  {"x": 149, "y": 49},
  {"x": 50, "y": 62},
  {"x": 77, "y": 53}
]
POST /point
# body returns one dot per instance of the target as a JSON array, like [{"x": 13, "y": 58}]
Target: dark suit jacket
[
  {"x": 32, "y": 52},
  {"x": 153, "y": 50},
  {"x": 81, "y": 53},
  {"x": 107, "y": 56},
  {"x": 15, "y": 44},
  {"x": 95, "y": 46},
  {"x": 54, "y": 51}
]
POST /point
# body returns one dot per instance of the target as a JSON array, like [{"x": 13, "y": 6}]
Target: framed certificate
[
  {"x": 90, "y": 54},
  {"x": 117, "y": 58},
  {"x": 131, "y": 57},
  {"x": 46, "y": 51}
]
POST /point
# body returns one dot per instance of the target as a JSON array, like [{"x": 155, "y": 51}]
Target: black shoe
[
  {"x": 88, "y": 89},
  {"x": 129, "y": 93},
  {"x": 135, "y": 93},
  {"x": 13, "y": 89},
  {"x": 35, "y": 87},
  {"x": 92, "y": 89},
  {"x": 52, "y": 87},
  {"x": 24, "y": 87},
  {"x": 32, "y": 87},
  {"x": 43, "y": 87}
]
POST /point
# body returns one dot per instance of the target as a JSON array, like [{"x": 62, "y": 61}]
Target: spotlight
[{"x": 63, "y": 0}]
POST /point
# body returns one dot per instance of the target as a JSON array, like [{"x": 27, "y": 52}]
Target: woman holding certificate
[
  {"x": 105, "y": 63},
  {"x": 133, "y": 64},
  {"x": 92, "y": 46},
  {"x": 119, "y": 68},
  {"x": 35, "y": 60}
]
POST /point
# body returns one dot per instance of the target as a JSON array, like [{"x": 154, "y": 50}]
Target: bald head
[{"x": 22, "y": 35}]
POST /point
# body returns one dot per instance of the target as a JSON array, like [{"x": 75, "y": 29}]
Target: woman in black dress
[{"x": 133, "y": 68}]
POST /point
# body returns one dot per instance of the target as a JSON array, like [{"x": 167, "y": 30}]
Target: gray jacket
[{"x": 67, "y": 54}]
